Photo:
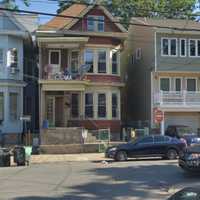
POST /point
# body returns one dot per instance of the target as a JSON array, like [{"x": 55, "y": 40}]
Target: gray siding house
[
  {"x": 13, "y": 38},
  {"x": 164, "y": 72}
]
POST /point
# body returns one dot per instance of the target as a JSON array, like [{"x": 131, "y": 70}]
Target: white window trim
[
  {"x": 196, "y": 48},
  {"x": 94, "y": 110},
  {"x": 169, "y": 47},
  {"x": 95, "y": 17},
  {"x": 118, "y": 105},
  {"x": 70, "y": 58},
  {"x": 59, "y": 51},
  {"x": 175, "y": 83},
  {"x": 95, "y": 60},
  {"x": 106, "y": 95},
  {"x": 185, "y": 41},
  {"x": 118, "y": 62},
  {"x": 196, "y": 83},
  {"x": 79, "y": 106},
  {"x": 170, "y": 83}
]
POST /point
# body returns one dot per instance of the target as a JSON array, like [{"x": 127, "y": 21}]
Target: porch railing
[{"x": 178, "y": 98}]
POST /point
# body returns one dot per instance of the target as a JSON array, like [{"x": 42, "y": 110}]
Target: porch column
[
  {"x": 163, "y": 125},
  {"x": 81, "y": 105},
  {"x": 42, "y": 107}
]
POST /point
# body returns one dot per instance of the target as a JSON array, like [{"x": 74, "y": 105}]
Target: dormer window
[
  {"x": 12, "y": 58},
  {"x": 95, "y": 23}
]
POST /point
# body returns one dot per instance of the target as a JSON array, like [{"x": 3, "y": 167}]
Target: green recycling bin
[{"x": 19, "y": 155}]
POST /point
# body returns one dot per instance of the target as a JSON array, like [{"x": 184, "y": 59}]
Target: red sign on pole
[{"x": 158, "y": 116}]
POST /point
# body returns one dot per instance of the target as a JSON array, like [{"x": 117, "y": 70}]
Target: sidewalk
[{"x": 44, "y": 158}]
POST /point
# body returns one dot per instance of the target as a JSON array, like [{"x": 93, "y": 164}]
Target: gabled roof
[
  {"x": 79, "y": 11},
  {"x": 171, "y": 23}
]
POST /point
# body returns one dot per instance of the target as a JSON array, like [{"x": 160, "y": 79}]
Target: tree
[
  {"x": 12, "y": 3},
  {"x": 126, "y": 9}
]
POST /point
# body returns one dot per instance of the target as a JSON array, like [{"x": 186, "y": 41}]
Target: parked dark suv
[{"x": 148, "y": 146}]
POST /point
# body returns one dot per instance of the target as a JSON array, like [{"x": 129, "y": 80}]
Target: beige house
[{"x": 164, "y": 72}]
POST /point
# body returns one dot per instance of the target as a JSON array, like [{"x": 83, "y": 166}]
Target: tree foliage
[
  {"x": 12, "y": 3},
  {"x": 125, "y": 9}
]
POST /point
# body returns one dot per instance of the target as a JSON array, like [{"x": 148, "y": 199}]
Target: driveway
[{"x": 132, "y": 180}]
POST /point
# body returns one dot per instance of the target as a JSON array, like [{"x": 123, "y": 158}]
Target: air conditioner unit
[{"x": 12, "y": 70}]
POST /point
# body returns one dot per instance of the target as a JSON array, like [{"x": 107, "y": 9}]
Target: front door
[{"x": 59, "y": 112}]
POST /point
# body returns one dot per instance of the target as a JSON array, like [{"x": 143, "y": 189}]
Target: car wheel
[
  {"x": 121, "y": 156},
  {"x": 172, "y": 154}
]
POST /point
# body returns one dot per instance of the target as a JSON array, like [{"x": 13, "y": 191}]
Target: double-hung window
[
  {"x": 114, "y": 105},
  {"x": 101, "y": 105},
  {"x": 75, "y": 105},
  {"x": 95, "y": 23},
  {"x": 12, "y": 58},
  {"x": 183, "y": 47},
  {"x": 165, "y": 84},
  {"x": 89, "y": 59},
  {"x": 13, "y": 106},
  {"x": 101, "y": 61},
  {"x": 178, "y": 84},
  {"x": 74, "y": 61},
  {"x": 194, "y": 48},
  {"x": 115, "y": 63},
  {"x": 191, "y": 84},
  {"x": 1, "y": 57},
  {"x": 169, "y": 47},
  {"x": 1, "y": 106},
  {"x": 89, "y": 104}
]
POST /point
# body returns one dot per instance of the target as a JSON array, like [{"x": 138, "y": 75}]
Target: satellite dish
[{"x": 84, "y": 69}]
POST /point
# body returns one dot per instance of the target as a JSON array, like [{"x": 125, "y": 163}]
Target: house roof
[
  {"x": 59, "y": 22},
  {"x": 172, "y": 23},
  {"x": 76, "y": 10}
]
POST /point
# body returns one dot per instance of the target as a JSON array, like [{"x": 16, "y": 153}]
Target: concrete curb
[{"x": 44, "y": 158}]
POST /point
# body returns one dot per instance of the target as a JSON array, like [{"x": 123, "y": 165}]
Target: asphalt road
[{"x": 132, "y": 180}]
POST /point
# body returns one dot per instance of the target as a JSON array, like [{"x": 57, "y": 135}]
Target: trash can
[
  {"x": 19, "y": 155},
  {"x": 4, "y": 157}
]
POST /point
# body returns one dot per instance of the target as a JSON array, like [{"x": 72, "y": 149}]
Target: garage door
[{"x": 188, "y": 119}]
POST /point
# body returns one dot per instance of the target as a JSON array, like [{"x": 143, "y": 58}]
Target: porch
[{"x": 178, "y": 99}]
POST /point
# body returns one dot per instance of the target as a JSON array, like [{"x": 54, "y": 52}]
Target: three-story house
[
  {"x": 164, "y": 72},
  {"x": 80, "y": 74}
]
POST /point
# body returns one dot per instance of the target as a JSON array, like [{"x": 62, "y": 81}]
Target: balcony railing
[
  {"x": 182, "y": 98},
  {"x": 10, "y": 73}
]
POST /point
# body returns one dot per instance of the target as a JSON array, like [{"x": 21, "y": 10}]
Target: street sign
[
  {"x": 158, "y": 116},
  {"x": 26, "y": 118}
]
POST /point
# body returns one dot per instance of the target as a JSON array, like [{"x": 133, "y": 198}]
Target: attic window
[{"x": 95, "y": 23}]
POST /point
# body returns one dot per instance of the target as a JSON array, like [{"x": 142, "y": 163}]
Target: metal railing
[{"x": 178, "y": 98}]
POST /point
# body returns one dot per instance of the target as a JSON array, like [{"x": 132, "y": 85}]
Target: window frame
[
  {"x": 195, "y": 48},
  {"x": 93, "y": 103},
  {"x": 180, "y": 45},
  {"x": 117, "y": 107},
  {"x": 97, "y": 59},
  {"x": 196, "y": 84},
  {"x": 143, "y": 143},
  {"x": 93, "y": 52},
  {"x": 11, "y": 113},
  {"x": 170, "y": 82},
  {"x": 3, "y": 109},
  {"x": 1, "y": 60},
  {"x": 117, "y": 62},
  {"x": 175, "y": 83},
  {"x": 96, "y": 23},
  {"x": 78, "y": 59},
  {"x": 97, "y": 103},
  {"x": 59, "y": 59},
  {"x": 169, "y": 47},
  {"x": 78, "y": 106}
]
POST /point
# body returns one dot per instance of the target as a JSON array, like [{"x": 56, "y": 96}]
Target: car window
[
  {"x": 146, "y": 140},
  {"x": 186, "y": 195},
  {"x": 159, "y": 139},
  {"x": 167, "y": 139}
]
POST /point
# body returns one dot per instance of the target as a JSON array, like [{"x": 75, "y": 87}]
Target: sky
[{"x": 39, "y": 6}]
